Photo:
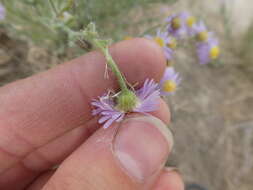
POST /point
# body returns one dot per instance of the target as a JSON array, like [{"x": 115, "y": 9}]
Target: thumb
[{"x": 127, "y": 156}]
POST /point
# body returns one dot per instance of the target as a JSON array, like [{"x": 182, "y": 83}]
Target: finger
[
  {"x": 44, "y": 158},
  {"x": 53, "y": 153},
  {"x": 39, "y": 109},
  {"x": 170, "y": 179},
  {"x": 13, "y": 180},
  {"x": 41, "y": 181},
  {"x": 162, "y": 112},
  {"x": 125, "y": 156}
]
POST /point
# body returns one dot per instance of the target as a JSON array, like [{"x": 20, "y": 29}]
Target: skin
[{"x": 45, "y": 121}]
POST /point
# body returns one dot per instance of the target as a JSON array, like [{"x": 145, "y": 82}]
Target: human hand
[{"x": 45, "y": 121}]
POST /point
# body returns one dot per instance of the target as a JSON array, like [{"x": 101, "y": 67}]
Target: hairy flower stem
[
  {"x": 126, "y": 100},
  {"x": 115, "y": 70},
  {"x": 67, "y": 7},
  {"x": 111, "y": 63}
]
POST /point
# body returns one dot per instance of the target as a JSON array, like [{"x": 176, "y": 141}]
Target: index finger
[{"x": 41, "y": 108}]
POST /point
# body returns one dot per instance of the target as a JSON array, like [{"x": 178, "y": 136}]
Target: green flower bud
[{"x": 126, "y": 101}]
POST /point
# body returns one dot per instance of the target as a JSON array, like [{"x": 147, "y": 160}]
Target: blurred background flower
[{"x": 2, "y": 12}]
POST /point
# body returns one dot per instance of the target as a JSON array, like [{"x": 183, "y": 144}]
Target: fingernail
[{"x": 142, "y": 145}]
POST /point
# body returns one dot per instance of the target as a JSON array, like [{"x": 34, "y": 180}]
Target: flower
[
  {"x": 177, "y": 25},
  {"x": 208, "y": 51},
  {"x": 148, "y": 97},
  {"x": 169, "y": 82},
  {"x": 201, "y": 32},
  {"x": 189, "y": 22},
  {"x": 106, "y": 105},
  {"x": 165, "y": 42},
  {"x": 2, "y": 12}
]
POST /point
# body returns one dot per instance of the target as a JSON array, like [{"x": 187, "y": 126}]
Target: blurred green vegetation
[
  {"x": 247, "y": 49},
  {"x": 35, "y": 19},
  {"x": 249, "y": 39}
]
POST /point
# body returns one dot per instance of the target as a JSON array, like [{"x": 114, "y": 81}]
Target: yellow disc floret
[
  {"x": 172, "y": 44},
  {"x": 169, "y": 86},
  {"x": 214, "y": 52},
  {"x": 190, "y": 21},
  {"x": 159, "y": 41},
  {"x": 202, "y": 36},
  {"x": 176, "y": 23}
]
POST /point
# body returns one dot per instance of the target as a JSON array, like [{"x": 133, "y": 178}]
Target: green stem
[
  {"x": 68, "y": 6},
  {"x": 91, "y": 34},
  {"x": 115, "y": 70},
  {"x": 53, "y": 7}
]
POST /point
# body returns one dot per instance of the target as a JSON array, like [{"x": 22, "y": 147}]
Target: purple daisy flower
[
  {"x": 169, "y": 82},
  {"x": 177, "y": 26},
  {"x": 148, "y": 97},
  {"x": 2, "y": 12},
  {"x": 106, "y": 106},
  {"x": 165, "y": 42},
  {"x": 189, "y": 22},
  {"x": 201, "y": 32},
  {"x": 208, "y": 51}
]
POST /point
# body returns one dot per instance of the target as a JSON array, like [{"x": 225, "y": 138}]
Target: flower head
[
  {"x": 189, "y": 22},
  {"x": 170, "y": 81},
  {"x": 189, "y": 19},
  {"x": 177, "y": 26},
  {"x": 164, "y": 41},
  {"x": 106, "y": 106},
  {"x": 208, "y": 51},
  {"x": 201, "y": 32},
  {"x": 2, "y": 12},
  {"x": 148, "y": 97}
]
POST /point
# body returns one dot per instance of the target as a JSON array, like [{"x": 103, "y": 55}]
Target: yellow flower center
[
  {"x": 214, "y": 52},
  {"x": 159, "y": 41},
  {"x": 176, "y": 23},
  {"x": 169, "y": 86},
  {"x": 190, "y": 21},
  {"x": 202, "y": 36},
  {"x": 172, "y": 44}
]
